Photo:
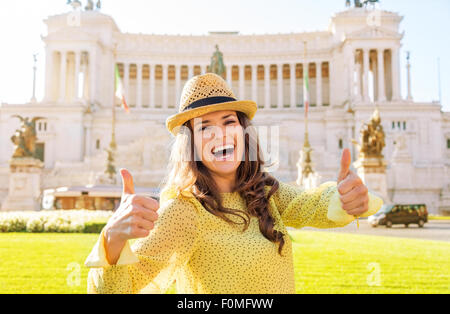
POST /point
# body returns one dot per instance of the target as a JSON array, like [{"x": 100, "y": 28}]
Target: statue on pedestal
[
  {"x": 217, "y": 66},
  {"x": 370, "y": 165},
  {"x": 372, "y": 138},
  {"x": 24, "y": 139},
  {"x": 25, "y": 169}
]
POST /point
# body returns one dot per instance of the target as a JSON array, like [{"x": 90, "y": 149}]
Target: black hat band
[{"x": 209, "y": 101}]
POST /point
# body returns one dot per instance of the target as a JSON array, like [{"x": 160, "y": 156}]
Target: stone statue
[
  {"x": 90, "y": 5},
  {"x": 217, "y": 66},
  {"x": 24, "y": 139},
  {"x": 372, "y": 138},
  {"x": 359, "y": 4},
  {"x": 74, "y": 3}
]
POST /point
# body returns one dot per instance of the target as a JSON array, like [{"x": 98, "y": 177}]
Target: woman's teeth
[{"x": 223, "y": 152}]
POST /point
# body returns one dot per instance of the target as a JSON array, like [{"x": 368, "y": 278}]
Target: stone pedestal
[
  {"x": 24, "y": 185},
  {"x": 373, "y": 173},
  {"x": 403, "y": 173}
]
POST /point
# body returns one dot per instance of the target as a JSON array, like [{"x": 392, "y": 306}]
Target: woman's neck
[{"x": 225, "y": 183}]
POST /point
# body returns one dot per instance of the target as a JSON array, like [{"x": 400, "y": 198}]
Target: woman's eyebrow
[
  {"x": 201, "y": 122},
  {"x": 227, "y": 116},
  {"x": 207, "y": 121}
]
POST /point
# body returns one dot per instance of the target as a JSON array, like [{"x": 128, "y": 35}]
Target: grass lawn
[
  {"x": 324, "y": 263},
  {"x": 438, "y": 217}
]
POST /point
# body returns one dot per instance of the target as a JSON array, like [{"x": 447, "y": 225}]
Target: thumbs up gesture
[
  {"x": 134, "y": 218},
  {"x": 354, "y": 194}
]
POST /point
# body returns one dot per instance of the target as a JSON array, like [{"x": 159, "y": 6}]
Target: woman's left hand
[{"x": 354, "y": 195}]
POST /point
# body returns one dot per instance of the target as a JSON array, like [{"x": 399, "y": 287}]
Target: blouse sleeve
[
  {"x": 151, "y": 262},
  {"x": 319, "y": 207}
]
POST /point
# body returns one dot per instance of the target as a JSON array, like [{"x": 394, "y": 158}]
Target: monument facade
[{"x": 353, "y": 67}]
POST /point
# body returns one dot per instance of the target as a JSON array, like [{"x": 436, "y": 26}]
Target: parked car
[{"x": 397, "y": 214}]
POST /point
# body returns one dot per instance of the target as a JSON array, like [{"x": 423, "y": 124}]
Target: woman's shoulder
[
  {"x": 174, "y": 201},
  {"x": 285, "y": 190}
]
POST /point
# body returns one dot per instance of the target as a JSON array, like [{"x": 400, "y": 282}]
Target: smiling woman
[{"x": 221, "y": 224}]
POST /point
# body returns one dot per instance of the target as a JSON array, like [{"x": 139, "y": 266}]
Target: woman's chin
[{"x": 225, "y": 167}]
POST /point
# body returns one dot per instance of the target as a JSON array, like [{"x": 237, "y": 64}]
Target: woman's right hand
[{"x": 134, "y": 219}]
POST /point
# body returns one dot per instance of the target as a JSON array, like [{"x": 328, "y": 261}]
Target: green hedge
[
  {"x": 76, "y": 221},
  {"x": 94, "y": 227}
]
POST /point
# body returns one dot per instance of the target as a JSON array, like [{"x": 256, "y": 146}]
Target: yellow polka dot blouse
[{"x": 205, "y": 254}]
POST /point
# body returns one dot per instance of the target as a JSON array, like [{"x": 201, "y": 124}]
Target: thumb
[
  {"x": 346, "y": 161},
  {"x": 127, "y": 181}
]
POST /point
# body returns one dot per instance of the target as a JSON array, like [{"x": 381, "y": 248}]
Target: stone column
[
  {"x": 139, "y": 85},
  {"x": 306, "y": 68},
  {"x": 62, "y": 76},
  {"x": 293, "y": 85},
  {"x": 190, "y": 71},
  {"x": 126, "y": 80},
  {"x": 381, "y": 84},
  {"x": 319, "y": 84},
  {"x": 152, "y": 85},
  {"x": 395, "y": 74},
  {"x": 177, "y": 83},
  {"x": 267, "y": 86},
  {"x": 84, "y": 69},
  {"x": 92, "y": 75},
  {"x": 88, "y": 134},
  {"x": 366, "y": 75},
  {"x": 77, "y": 74},
  {"x": 204, "y": 68},
  {"x": 280, "y": 85},
  {"x": 241, "y": 81},
  {"x": 408, "y": 77},
  {"x": 255, "y": 83},
  {"x": 165, "y": 91},
  {"x": 351, "y": 72},
  {"x": 230, "y": 75},
  {"x": 49, "y": 79}
]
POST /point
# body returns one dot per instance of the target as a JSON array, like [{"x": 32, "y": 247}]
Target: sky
[{"x": 426, "y": 25}]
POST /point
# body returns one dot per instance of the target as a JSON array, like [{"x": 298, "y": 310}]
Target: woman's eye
[
  {"x": 204, "y": 128},
  {"x": 229, "y": 122}
]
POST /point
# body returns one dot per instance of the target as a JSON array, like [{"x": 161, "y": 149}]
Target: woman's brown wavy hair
[{"x": 188, "y": 174}]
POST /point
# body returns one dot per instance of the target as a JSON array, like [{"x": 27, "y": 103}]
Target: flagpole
[
  {"x": 307, "y": 168},
  {"x": 110, "y": 168}
]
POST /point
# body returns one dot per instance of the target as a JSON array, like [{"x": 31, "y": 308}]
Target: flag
[
  {"x": 306, "y": 90},
  {"x": 120, "y": 93}
]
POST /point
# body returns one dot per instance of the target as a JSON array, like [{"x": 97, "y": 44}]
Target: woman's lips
[{"x": 226, "y": 154}]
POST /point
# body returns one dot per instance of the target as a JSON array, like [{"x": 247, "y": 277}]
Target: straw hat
[{"x": 207, "y": 93}]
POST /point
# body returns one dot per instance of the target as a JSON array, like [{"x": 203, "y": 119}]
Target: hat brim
[{"x": 175, "y": 121}]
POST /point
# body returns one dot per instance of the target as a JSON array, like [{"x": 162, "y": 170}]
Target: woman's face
[{"x": 219, "y": 141}]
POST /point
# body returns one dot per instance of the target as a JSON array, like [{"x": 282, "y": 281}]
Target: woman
[{"x": 221, "y": 223}]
